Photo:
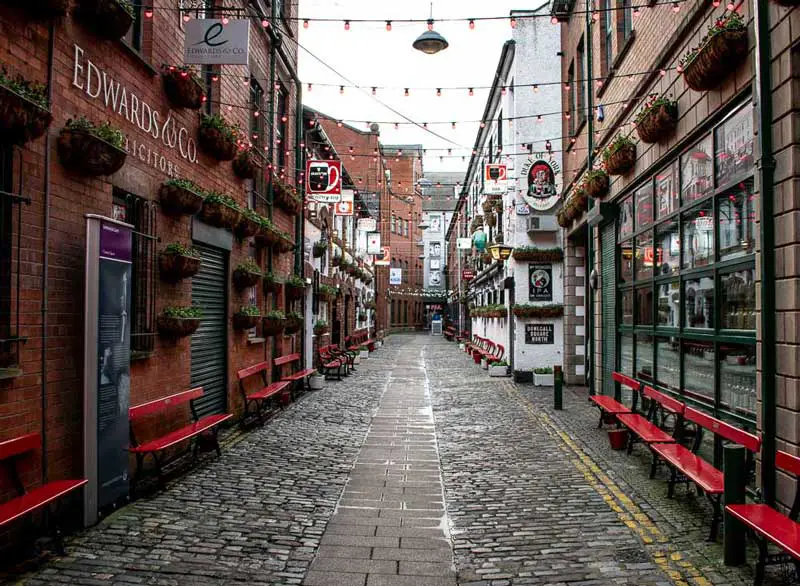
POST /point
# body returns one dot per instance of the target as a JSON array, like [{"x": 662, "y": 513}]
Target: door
[
  {"x": 348, "y": 302},
  {"x": 210, "y": 341},
  {"x": 608, "y": 240},
  {"x": 336, "y": 324}
]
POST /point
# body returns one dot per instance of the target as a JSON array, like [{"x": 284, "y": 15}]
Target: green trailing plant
[
  {"x": 247, "y": 317},
  {"x": 525, "y": 310},
  {"x": 501, "y": 363},
  {"x": 176, "y": 248},
  {"x": 30, "y": 90},
  {"x": 730, "y": 21},
  {"x": 490, "y": 311},
  {"x": 106, "y": 131},
  {"x": 249, "y": 265},
  {"x": 275, "y": 314},
  {"x": 296, "y": 281},
  {"x": 543, "y": 370},
  {"x": 328, "y": 292},
  {"x": 535, "y": 254},
  {"x": 321, "y": 327},
  {"x": 619, "y": 157},
  {"x": 294, "y": 321},
  {"x": 319, "y": 248},
  {"x": 184, "y": 184},
  {"x": 620, "y": 142},
  {"x": 250, "y": 310},
  {"x": 272, "y": 283},
  {"x": 217, "y": 122},
  {"x": 216, "y": 197},
  {"x": 183, "y": 312},
  {"x": 596, "y": 183},
  {"x": 654, "y": 101},
  {"x": 127, "y": 6},
  {"x": 657, "y": 118}
]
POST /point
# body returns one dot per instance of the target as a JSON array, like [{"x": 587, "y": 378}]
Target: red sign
[
  {"x": 324, "y": 180},
  {"x": 467, "y": 274}
]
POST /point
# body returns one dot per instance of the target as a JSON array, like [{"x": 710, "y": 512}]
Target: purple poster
[{"x": 115, "y": 242}]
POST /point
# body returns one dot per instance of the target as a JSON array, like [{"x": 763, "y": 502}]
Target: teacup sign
[{"x": 324, "y": 181}]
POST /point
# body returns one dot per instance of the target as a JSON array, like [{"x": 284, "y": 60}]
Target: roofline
[{"x": 337, "y": 121}]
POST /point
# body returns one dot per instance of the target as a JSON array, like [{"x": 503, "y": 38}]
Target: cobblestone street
[{"x": 346, "y": 487}]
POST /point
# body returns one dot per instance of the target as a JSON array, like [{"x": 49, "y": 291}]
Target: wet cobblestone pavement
[{"x": 345, "y": 487}]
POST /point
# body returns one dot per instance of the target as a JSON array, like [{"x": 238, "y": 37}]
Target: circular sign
[
  {"x": 540, "y": 278},
  {"x": 543, "y": 189}
]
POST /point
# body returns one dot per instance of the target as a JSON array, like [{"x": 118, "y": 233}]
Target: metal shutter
[
  {"x": 210, "y": 341},
  {"x": 609, "y": 285}
]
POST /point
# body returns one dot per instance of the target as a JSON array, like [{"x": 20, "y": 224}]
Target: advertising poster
[
  {"x": 395, "y": 276},
  {"x": 113, "y": 362},
  {"x": 210, "y": 42},
  {"x": 540, "y": 282}
]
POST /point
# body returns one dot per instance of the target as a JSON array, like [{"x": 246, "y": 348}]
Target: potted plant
[
  {"x": 563, "y": 218},
  {"x": 182, "y": 86},
  {"x": 178, "y": 262},
  {"x": 245, "y": 164},
  {"x": 272, "y": 284},
  {"x": 283, "y": 243},
  {"x": 721, "y": 51},
  {"x": 536, "y": 254},
  {"x": 620, "y": 156},
  {"x": 218, "y": 138},
  {"x": 295, "y": 287},
  {"x": 499, "y": 369},
  {"x": 247, "y": 317},
  {"x": 524, "y": 310},
  {"x": 179, "y": 321},
  {"x": 657, "y": 119},
  {"x": 319, "y": 248},
  {"x": 108, "y": 19},
  {"x": 294, "y": 321},
  {"x": 91, "y": 150},
  {"x": 327, "y": 293},
  {"x": 249, "y": 224},
  {"x": 490, "y": 220},
  {"x": 24, "y": 113},
  {"x": 596, "y": 183},
  {"x": 246, "y": 274},
  {"x": 363, "y": 352},
  {"x": 267, "y": 235},
  {"x": 543, "y": 377},
  {"x": 220, "y": 210},
  {"x": 273, "y": 322},
  {"x": 286, "y": 198},
  {"x": 321, "y": 328},
  {"x": 180, "y": 197}
]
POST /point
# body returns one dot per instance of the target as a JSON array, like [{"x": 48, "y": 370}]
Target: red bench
[
  {"x": 770, "y": 526},
  {"x": 206, "y": 427},
  {"x": 265, "y": 393},
  {"x": 293, "y": 377},
  {"x": 609, "y": 407},
  {"x": 359, "y": 339},
  {"x": 497, "y": 355},
  {"x": 687, "y": 466},
  {"x": 329, "y": 364},
  {"x": 450, "y": 333},
  {"x": 30, "y": 501}
]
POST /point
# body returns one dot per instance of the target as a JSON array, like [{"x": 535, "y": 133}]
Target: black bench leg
[
  {"x": 137, "y": 472},
  {"x": 600, "y": 423},
  {"x": 673, "y": 478},
  {"x": 215, "y": 439},
  {"x": 653, "y": 466},
  {"x": 631, "y": 441},
  {"x": 159, "y": 475},
  {"x": 762, "y": 560},
  {"x": 716, "y": 503}
]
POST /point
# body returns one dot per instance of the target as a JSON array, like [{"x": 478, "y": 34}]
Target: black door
[
  {"x": 210, "y": 341},
  {"x": 336, "y": 324}
]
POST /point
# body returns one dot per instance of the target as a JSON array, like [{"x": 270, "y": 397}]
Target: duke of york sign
[
  {"x": 541, "y": 181},
  {"x": 99, "y": 85}
]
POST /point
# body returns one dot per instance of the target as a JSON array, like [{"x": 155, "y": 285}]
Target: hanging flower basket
[
  {"x": 82, "y": 151},
  {"x": 180, "y": 197},
  {"x": 46, "y": 9},
  {"x": 182, "y": 87},
  {"x": 295, "y": 288},
  {"x": 220, "y": 211},
  {"x": 294, "y": 321},
  {"x": 21, "y": 118},
  {"x": 563, "y": 219},
  {"x": 327, "y": 293},
  {"x": 620, "y": 156},
  {"x": 283, "y": 245},
  {"x": 538, "y": 311},
  {"x": 108, "y": 19},
  {"x": 657, "y": 120},
  {"x": 273, "y": 323},
  {"x": 266, "y": 235},
  {"x": 178, "y": 322},
  {"x": 248, "y": 225},
  {"x": 271, "y": 283},
  {"x": 287, "y": 199},
  {"x": 490, "y": 220},
  {"x": 178, "y": 262},
  {"x": 246, "y": 319},
  {"x": 246, "y": 275},
  {"x": 723, "y": 50},
  {"x": 217, "y": 138},
  {"x": 533, "y": 254},
  {"x": 321, "y": 328},
  {"x": 319, "y": 248},
  {"x": 596, "y": 184},
  {"x": 244, "y": 165}
]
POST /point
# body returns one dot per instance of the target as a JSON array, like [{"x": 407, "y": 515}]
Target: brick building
[
  {"x": 43, "y": 204},
  {"x": 693, "y": 286}
]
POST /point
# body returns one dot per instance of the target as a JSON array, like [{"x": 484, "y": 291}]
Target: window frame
[{"x": 606, "y": 38}]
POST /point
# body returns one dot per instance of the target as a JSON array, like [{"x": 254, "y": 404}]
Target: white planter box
[
  {"x": 316, "y": 382},
  {"x": 357, "y": 359},
  {"x": 543, "y": 380},
  {"x": 498, "y": 371},
  {"x": 462, "y": 347},
  {"x": 378, "y": 344},
  {"x": 364, "y": 354},
  {"x": 484, "y": 364}
]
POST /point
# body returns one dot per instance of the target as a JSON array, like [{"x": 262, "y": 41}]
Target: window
[
  {"x": 141, "y": 213},
  {"x": 133, "y": 38},
  {"x": 606, "y": 35},
  {"x": 256, "y": 105},
  {"x": 686, "y": 285},
  {"x": 281, "y": 127},
  {"x": 9, "y": 207},
  {"x": 624, "y": 21},
  {"x": 572, "y": 98},
  {"x": 580, "y": 73},
  {"x": 207, "y": 73},
  {"x": 393, "y": 222}
]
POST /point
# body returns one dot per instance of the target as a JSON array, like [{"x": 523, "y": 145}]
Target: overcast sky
[{"x": 370, "y": 56}]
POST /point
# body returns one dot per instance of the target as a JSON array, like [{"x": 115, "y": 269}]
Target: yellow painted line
[{"x": 679, "y": 570}]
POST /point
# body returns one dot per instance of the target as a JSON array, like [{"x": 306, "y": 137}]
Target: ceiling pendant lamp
[{"x": 430, "y": 42}]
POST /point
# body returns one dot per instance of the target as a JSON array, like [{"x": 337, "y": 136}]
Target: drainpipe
[
  {"x": 300, "y": 164},
  {"x": 589, "y": 162},
  {"x": 766, "y": 172},
  {"x": 46, "y": 252}
]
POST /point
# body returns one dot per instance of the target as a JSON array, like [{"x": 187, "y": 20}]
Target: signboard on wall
[
  {"x": 467, "y": 274},
  {"x": 464, "y": 243},
  {"x": 345, "y": 206},
  {"x": 539, "y": 333},
  {"x": 107, "y": 386},
  {"x": 543, "y": 179},
  {"x": 324, "y": 182},
  {"x": 210, "y": 42},
  {"x": 495, "y": 179},
  {"x": 367, "y": 225},
  {"x": 374, "y": 243},
  {"x": 395, "y": 276},
  {"x": 540, "y": 282},
  {"x": 384, "y": 258}
]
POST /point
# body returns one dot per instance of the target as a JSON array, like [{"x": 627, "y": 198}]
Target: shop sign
[
  {"x": 367, "y": 225},
  {"x": 539, "y": 333},
  {"x": 544, "y": 182},
  {"x": 523, "y": 209},
  {"x": 467, "y": 274},
  {"x": 344, "y": 207},
  {"x": 99, "y": 85},
  {"x": 374, "y": 243},
  {"x": 495, "y": 179},
  {"x": 384, "y": 258},
  {"x": 395, "y": 276},
  {"x": 324, "y": 181},
  {"x": 540, "y": 282},
  {"x": 210, "y": 42},
  {"x": 464, "y": 243}
]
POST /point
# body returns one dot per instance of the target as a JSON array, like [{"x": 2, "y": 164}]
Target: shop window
[
  {"x": 627, "y": 307},
  {"x": 697, "y": 171},
  {"x": 667, "y": 250},
  {"x": 606, "y": 36},
  {"x": 737, "y": 373},
  {"x": 667, "y": 191},
  {"x": 141, "y": 213},
  {"x": 698, "y": 370},
  {"x": 738, "y": 300},
  {"x": 699, "y": 302},
  {"x": 133, "y": 38},
  {"x": 734, "y": 147},
  {"x": 644, "y": 306},
  {"x": 626, "y": 217},
  {"x": 624, "y": 21},
  {"x": 572, "y": 99},
  {"x": 208, "y": 80},
  {"x": 256, "y": 105},
  {"x": 626, "y": 262},
  {"x": 668, "y": 364},
  {"x": 698, "y": 237},
  {"x": 626, "y": 354},
  {"x": 643, "y": 204},
  {"x": 644, "y": 257},
  {"x": 669, "y": 308},
  {"x": 737, "y": 219},
  {"x": 580, "y": 74},
  {"x": 281, "y": 127},
  {"x": 644, "y": 358}
]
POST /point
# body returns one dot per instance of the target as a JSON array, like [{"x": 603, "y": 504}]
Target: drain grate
[{"x": 632, "y": 556}]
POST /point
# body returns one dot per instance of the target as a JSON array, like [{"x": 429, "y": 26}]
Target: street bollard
[
  {"x": 558, "y": 394},
  {"x": 735, "y": 480}
]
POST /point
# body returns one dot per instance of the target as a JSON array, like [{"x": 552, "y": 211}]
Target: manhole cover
[{"x": 632, "y": 556}]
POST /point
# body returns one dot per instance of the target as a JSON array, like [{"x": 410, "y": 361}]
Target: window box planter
[
  {"x": 271, "y": 284},
  {"x": 177, "y": 265},
  {"x": 294, "y": 321},
  {"x": 283, "y": 245},
  {"x": 544, "y": 380},
  {"x": 327, "y": 293},
  {"x": 220, "y": 211},
  {"x": 217, "y": 138},
  {"x": 176, "y": 327},
  {"x": 319, "y": 248},
  {"x": 524, "y": 311},
  {"x": 180, "y": 197},
  {"x": 21, "y": 119},
  {"x": 286, "y": 198},
  {"x": 295, "y": 288},
  {"x": 46, "y": 9},
  {"x": 245, "y": 320},
  {"x": 619, "y": 158},
  {"x": 498, "y": 370},
  {"x": 273, "y": 323},
  {"x": 724, "y": 50},
  {"x": 320, "y": 329},
  {"x": 596, "y": 184},
  {"x": 242, "y": 279},
  {"x": 533, "y": 254},
  {"x": 83, "y": 152},
  {"x": 182, "y": 87},
  {"x": 657, "y": 121},
  {"x": 244, "y": 165},
  {"x": 248, "y": 225},
  {"x": 266, "y": 235},
  {"x": 108, "y": 19}
]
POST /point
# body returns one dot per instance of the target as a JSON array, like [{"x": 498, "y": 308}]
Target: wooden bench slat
[
  {"x": 729, "y": 432},
  {"x": 19, "y": 445},
  {"x": 36, "y": 499},
  {"x": 159, "y": 405},
  {"x": 268, "y": 391},
  {"x": 692, "y": 466},
  {"x": 609, "y": 404},
  {"x": 251, "y": 370},
  {"x": 647, "y": 431},
  {"x": 626, "y": 381},
  {"x": 669, "y": 403},
  {"x": 300, "y": 375},
  {"x": 769, "y": 523},
  {"x": 281, "y": 360},
  {"x": 182, "y": 434}
]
